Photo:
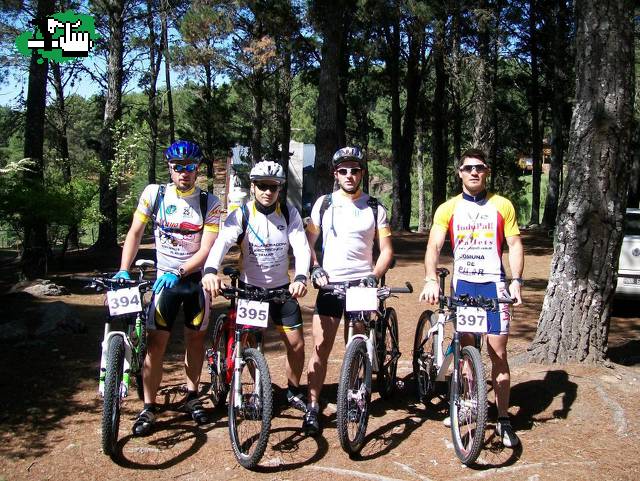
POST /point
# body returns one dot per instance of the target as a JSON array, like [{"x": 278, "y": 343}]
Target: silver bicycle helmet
[
  {"x": 267, "y": 170},
  {"x": 345, "y": 154}
]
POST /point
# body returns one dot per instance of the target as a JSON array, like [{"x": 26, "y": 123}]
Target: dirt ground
[{"x": 575, "y": 421}]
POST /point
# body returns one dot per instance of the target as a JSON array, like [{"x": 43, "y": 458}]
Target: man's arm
[
  {"x": 431, "y": 289},
  {"x": 312, "y": 238},
  {"x": 132, "y": 243},
  {"x": 516, "y": 265},
  {"x": 196, "y": 261},
  {"x": 385, "y": 258}
]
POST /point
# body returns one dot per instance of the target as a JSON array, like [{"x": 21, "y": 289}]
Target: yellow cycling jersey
[{"x": 477, "y": 228}]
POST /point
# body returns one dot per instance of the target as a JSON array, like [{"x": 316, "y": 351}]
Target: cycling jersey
[
  {"x": 179, "y": 224},
  {"x": 264, "y": 247},
  {"x": 477, "y": 228},
  {"x": 348, "y": 231}
]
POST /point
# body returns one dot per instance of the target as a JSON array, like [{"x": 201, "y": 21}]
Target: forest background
[{"x": 412, "y": 82}]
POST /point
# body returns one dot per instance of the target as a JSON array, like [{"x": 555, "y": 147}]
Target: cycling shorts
[
  {"x": 498, "y": 322},
  {"x": 284, "y": 316},
  {"x": 188, "y": 293}
]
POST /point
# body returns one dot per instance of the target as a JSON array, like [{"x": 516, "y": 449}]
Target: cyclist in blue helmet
[{"x": 186, "y": 222}]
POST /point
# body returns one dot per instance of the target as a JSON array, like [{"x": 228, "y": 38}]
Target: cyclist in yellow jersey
[
  {"x": 478, "y": 223},
  {"x": 349, "y": 229},
  {"x": 185, "y": 224}
]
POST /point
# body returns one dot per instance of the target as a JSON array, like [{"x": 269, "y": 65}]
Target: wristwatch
[{"x": 519, "y": 280}]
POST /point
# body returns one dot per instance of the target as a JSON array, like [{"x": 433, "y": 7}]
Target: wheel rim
[
  {"x": 357, "y": 398},
  {"x": 465, "y": 420},
  {"x": 247, "y": 419}
]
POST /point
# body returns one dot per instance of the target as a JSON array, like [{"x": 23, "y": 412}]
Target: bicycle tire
[
  {"x": 388, "y": 355},
  {"x": 112, "y": 387},
  {"x": 354, "y": 396},
  {"x": 216, "y": 362},
  {"x": 424, "y": 358},
  {"x": 468, "y": 407},
  {"x": 256, "y": 411}
]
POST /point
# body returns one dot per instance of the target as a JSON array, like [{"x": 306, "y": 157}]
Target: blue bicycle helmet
[
  {"x": 348, "y": 154},
  {"x": 183, "y": 150}
]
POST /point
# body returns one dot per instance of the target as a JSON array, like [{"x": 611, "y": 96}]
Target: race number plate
[
  {"x": 471, "y": 319},
  {"x": 362, "y": 299},
  {"x": 124, "y": 301},
  {"x": 252, "y": 313}
]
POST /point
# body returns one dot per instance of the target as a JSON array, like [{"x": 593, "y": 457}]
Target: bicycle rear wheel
[
  {"x": 354, "y": 395},
  {"x": 468, "y": 406},
  {"x": 112, "y": 389},
  {"x": 216, "y": 360},
  {"x": 251, "y": 409},
  {"x": 424, "y": 357},
  {"x": 388, "y": 355}
]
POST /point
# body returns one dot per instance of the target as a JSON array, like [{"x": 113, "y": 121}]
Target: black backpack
[
  {"x": 204, "y": 199},
  {"x": 245, "y": 218}
]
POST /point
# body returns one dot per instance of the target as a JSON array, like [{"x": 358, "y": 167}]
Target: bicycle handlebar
[
  {"x": 261, "y": 294},
  {"x": 105, "y": 282},
  {"x": 487, "y": 303},
  {"x": 340, "y": 289}
]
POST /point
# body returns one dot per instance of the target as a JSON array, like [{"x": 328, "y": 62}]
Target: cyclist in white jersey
[
  {"x": 265, "y": 234},
  {"x": 479, "y": 223},
  {"x": 348, "y": 231},
  {"x": 185, "y": 227}
]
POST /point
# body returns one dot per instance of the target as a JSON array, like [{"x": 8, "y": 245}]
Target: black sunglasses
[
  {"x": 480, "y": 168},
  {"x": 269, "y": 187},
  {"x": 347, "y": 170}
]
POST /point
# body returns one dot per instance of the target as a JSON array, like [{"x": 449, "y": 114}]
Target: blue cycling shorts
[{"x": 498, "y": 322}]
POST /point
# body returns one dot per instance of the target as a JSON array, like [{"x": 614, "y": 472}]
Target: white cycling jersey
[
  {"x": 348, "y": 231},
  {"x": 265, "y": 246},
  {"x": 179, "y": 223}
]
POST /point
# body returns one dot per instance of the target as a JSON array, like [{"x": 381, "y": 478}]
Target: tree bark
[
  {"x": 574, "y": 323},
  {"x": 107, "y": 232},
  {"x": 35, "y": 243},
  {"x": 167, "y": 68},
  {"x": 328, "y": 18},
  {"x": 483, "y": 133},
  {"x": 155, "y": 59},
  {"x": 439, "y": 179},
  {"x": 422, "y": 205}
]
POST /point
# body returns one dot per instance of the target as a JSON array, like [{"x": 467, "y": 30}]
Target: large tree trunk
[
  {"x": 439, "y": 144},
  {"x": 534, "y": 105},
  {"x": 167, "y": 68},
  {"x": 155, "y": 59},
  {"x": 392, "y": 33},
  {"x": 574, "y": 323},
  {"x": 35, "y": 244},
  {"x": 559, "y": 107},
  {"x": 284, "y": 111},
  {"x": 483, "y": 133},
  {"x": 62, "y": 146},
  {"x": 422, "y": 205},
  {"x": 328, "y": 18},
  {"x": 107, "y": 233},
  {"x": 257, "y": 91}
]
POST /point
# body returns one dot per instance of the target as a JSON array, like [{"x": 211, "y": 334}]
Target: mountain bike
[
  {"x": 123, "y": 351},
  {"x": 376, "y": 350},
  {"x": 431, "y": 362},
  {"x": 238, "y": 367}
]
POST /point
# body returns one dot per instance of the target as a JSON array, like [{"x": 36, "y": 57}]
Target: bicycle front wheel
[
  {"x": 250, "y": 409},
  {"x": 388, "y": 355},
  {"x": 468, "y": 405},
  {"x": 216, "y": 359},
  {"x": 354, "y": 396},
  {"x": 112, "y": 389},
  {"x": 424, "y": 357}
]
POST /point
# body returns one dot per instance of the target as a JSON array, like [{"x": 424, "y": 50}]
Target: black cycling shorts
[
  {"x": 285, "y": 317},
  {"x": 189, "y": 294}
]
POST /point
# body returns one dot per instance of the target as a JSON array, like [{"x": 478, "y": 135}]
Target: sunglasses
[
  {"x": 184, "y": 167},
  {"x": 269, "y": 187},
  {"x": 347, "y": 171},
  {"x": 480, "y": 168}
]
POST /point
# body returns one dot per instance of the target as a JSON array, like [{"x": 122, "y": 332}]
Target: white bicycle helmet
[{"x": 267, "y": 170}]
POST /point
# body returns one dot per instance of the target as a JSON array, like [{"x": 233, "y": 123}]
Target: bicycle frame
[
  {"x": 369, "y": 338},
  {"x": 128, "y": 355}
]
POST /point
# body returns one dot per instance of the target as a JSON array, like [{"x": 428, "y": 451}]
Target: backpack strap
[
  {"x": 157, "y": 202},
  {"x": 284, "y": 208},
  {"x": 373, "y": 203},
  {"x": 204, "y": 203},
  {"x": 245, "y": 223}
]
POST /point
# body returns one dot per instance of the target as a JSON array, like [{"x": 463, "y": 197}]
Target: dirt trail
[{"x": 575, "y": 422}]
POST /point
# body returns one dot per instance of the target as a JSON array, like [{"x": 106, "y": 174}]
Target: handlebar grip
[
  {"x": 402, "y": 290},
  {"x": 82, "y": 278}
]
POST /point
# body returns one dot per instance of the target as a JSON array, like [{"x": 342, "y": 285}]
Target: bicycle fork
[
  {"x": 126, "y": 368},
  {"x": 238, "y": 365}
]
